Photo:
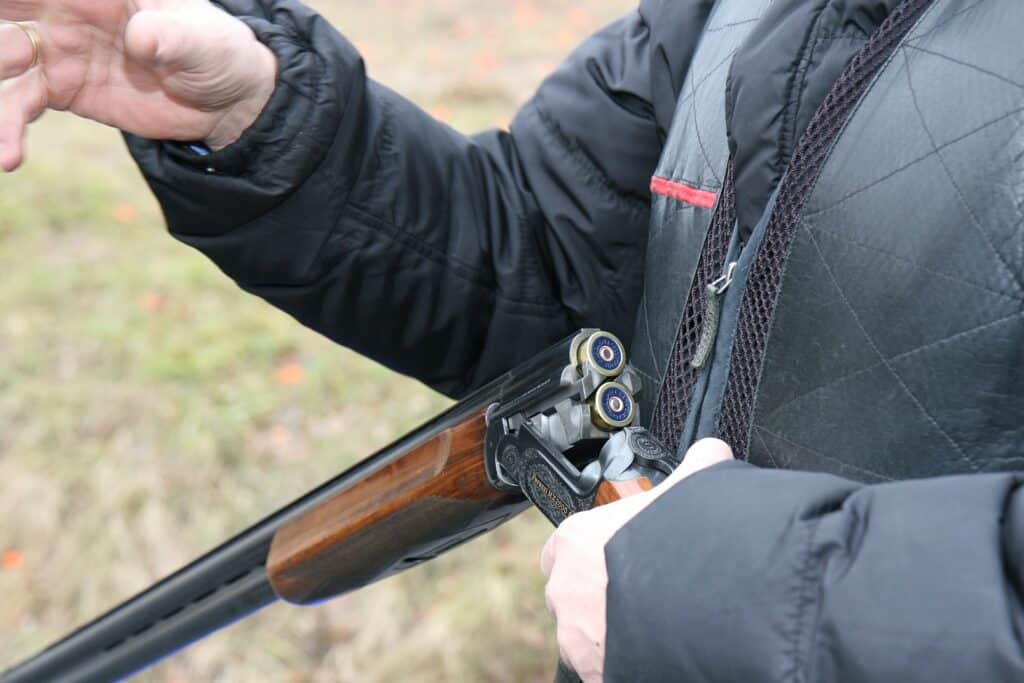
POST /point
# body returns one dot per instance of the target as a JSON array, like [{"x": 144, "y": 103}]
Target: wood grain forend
[
  {"x": 611, "y": 491},
  {"x": 426, "y": 501}
]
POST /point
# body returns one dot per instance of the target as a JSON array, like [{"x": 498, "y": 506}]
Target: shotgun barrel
[
  {"x": 231, "y": 581},
  {"x": 461, "y": 474}
]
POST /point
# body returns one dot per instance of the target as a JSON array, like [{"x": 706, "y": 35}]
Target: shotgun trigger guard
[
  {"x": 496, "y": 474},
  {"x": 545, "y": 476}
]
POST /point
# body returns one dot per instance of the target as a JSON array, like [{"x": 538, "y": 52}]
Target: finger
[
  {"x": 549, "y": 601},
  {"x": 174, "y": 40},
  {"x": 564, "y": 653},
  {"x": 547, "y": 556},
  {"x": 703, "y": 454},
  {"x": 579, "y": 654},
  {"x": 563, "y": 660},
  {"x": 700, "y": 456},
  {"x": 17, "y": 53},
  {"x": 20, "y": 10},
  {"x": 22, "y": 101},
  {"x": 148, "y": 36}
]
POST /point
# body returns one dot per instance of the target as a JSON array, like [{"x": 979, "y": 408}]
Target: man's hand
[
  {"x": 163, "y": 69},
  {"x": 573, "y": 560}
]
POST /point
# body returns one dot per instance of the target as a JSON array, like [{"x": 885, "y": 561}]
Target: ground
[{"x": 148, "y": 409}]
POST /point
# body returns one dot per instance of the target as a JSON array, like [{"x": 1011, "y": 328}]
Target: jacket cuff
[
  {"x": 705, "y": 583},
  {"x": 756, "y": 575},
  {"x": 319, "y": 73}
]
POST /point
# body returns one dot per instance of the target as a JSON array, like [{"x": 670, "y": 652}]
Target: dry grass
[{"x": 149, "y": 409}]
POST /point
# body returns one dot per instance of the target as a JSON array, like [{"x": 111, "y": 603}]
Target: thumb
[
  {"x": 166, "y": 40},
  {"x": 702, "y": 455},
  {"x": 707, "y": 452}
]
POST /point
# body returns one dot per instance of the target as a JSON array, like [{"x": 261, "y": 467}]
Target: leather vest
[{"x": 895, "y": 347}]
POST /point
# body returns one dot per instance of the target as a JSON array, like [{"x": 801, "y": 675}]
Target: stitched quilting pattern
[
  {"x": 897, "y": 345},
  {"x": 759, "y": 299},
  {"x": 696, "y": 155}
]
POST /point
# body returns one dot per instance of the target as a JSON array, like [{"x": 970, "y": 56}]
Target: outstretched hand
[
  {"x": 164, "y": 69},
  {"x": 573, "y": 560}
]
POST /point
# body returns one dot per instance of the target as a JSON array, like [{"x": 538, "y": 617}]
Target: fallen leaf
[
  {"x": 12, "y": 560},
  {"x": 125, "y": 214},
  {"x": 290, "y": 374},
  {"x": 152, "y": 301},
  {"x": 486, "y": 61},
  {"x": 279, "y": 436}
]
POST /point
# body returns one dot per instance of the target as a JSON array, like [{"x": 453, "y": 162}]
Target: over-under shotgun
[{"x": 554, "y": 433}]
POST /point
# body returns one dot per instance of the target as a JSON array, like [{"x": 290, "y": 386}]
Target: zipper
[{"x": 713, "y": 294}]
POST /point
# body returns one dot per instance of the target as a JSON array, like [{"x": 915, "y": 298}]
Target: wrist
[{"x": 238, "y": 118}]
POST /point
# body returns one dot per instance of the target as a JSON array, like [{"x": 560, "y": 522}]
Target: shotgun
[{"x": 555, "y": 432}]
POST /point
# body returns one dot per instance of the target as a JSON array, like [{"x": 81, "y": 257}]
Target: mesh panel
[
  {"x": 674, "y": 400},
  {"x": 761, "y": 295}
]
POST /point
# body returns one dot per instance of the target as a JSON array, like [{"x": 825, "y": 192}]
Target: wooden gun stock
[
  {"x": 429, "y": 499},
  {"x": 399, "y": 516}
]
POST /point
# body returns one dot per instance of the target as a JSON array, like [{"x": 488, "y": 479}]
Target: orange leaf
[
  {"x": 12, "y": 560},
  {"x": 486, "y": 61},
  {"x": 290, "y": 374},
  {"x": 125, "y": 214},
  {"x": 152, "y": 301},
  {"x": 279, "y": 436}
]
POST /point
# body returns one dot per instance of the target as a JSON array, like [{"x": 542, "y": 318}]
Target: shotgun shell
[
  {"x": 613, "y": 407},
  {"x": 605, "y": 353}
]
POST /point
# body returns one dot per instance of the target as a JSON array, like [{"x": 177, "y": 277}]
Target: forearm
[
  {"x": 445, "y": 257},
  {"x": 312, "y": 211},
  {"x": 393, "y": 263}
]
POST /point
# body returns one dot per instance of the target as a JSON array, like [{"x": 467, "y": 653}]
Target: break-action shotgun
[{"x": 555, "y": 432}]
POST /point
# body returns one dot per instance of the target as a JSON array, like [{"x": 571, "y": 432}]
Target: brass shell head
[
  {"x": 613, "y": 407},
  {"x": 603, "y": 352}
]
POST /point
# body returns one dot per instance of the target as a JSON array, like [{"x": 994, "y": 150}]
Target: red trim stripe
[{"x": 693, "y": 196}]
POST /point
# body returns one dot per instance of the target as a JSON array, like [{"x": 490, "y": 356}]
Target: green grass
[{"x": 143, "y": 418}]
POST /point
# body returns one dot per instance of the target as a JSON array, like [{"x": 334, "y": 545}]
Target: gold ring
[{"x": 32, "y": 33}]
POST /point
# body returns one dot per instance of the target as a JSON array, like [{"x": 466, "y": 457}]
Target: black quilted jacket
[{"x": 452, "y": 258}]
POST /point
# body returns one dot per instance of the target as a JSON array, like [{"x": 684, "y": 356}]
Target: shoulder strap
[{"x": 760, "y": 297}]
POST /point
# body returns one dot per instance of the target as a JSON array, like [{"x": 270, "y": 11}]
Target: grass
[{"x": 149, "y": 409}]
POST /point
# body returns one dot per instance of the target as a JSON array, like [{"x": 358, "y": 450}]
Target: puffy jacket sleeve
[
  {"x": 740, "y": 574},
  {"x": 445, "y": 257}
]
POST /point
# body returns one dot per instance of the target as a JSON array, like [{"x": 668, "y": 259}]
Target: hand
[
  {"x": 573, "y": 560},
  {"x": 163, "y": 69}
]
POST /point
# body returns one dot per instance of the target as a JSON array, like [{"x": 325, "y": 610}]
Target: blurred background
[{"x": 149, "y": 410}]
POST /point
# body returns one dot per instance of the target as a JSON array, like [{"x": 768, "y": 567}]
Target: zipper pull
[{"x": 713, "y": 294}]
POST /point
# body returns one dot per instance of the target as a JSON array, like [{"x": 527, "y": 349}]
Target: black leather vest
[{"x": 895, "y": 346}]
